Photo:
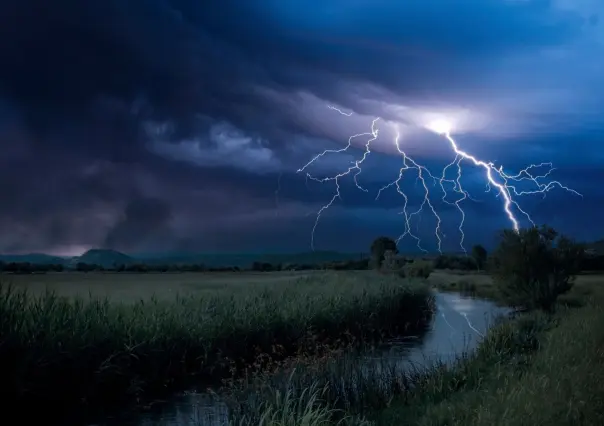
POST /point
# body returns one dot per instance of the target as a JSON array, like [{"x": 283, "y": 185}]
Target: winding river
[{"x": 458, "y": 325}]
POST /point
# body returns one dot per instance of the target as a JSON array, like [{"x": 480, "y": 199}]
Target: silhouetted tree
[
  {"x": 479, "y": 253},
  {"x": 534, "y": 266},
  {"x": 379, "y": 247}
]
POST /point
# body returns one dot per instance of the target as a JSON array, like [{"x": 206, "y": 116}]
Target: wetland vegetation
[
  {"x": 63, "y": 353},
  {"x": 283, "y": 347}
]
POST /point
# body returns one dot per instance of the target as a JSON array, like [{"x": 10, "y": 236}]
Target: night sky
[{"x": 179, "y": 125}]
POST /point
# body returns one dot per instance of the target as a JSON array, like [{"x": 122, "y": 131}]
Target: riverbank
[
  {"x": 482, "y": 285},
  {"x": 534, "y": 369},
  {"x": 63, "y": 355}
]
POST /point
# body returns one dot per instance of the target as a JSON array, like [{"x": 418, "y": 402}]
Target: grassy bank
[
  {"x": 535, "y": 369},
  {"x": 61, "y": 354},
  {"x": 482, "y": 285},
  {"x": 471, "y": 284}
]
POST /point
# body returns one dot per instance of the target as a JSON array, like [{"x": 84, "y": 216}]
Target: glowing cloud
[{"x": 440, "y": 126}]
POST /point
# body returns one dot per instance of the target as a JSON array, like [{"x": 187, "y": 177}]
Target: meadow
[
  {"x": 94, "y": 340},
  {"x": 132, "y": 287},
  {"x": 75, "y": 341}
]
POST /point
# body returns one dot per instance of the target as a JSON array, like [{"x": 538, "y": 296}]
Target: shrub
[{"x": 534, "y": 266}]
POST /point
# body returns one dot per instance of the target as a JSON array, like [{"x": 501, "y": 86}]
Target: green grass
[
  {"x": 554, "y": 378},
  {"x": 63, "y": 353},
  {"x": 472, "y": 284},
  {"x": 537, "y": 369},
  {"x": 353, "y": 390},
  {"x": 132, "y": 287}
]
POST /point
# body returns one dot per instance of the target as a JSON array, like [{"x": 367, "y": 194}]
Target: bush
[{"x": 534, "y": 266}]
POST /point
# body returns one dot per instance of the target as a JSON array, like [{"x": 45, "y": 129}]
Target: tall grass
[
  {"x": 307, "y": 408},
  {"x": 62, "y": 354},
  {"x": 360, "y": 386},
  {"x": 534, "y": 369}
]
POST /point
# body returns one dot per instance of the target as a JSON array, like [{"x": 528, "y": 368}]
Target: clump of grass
[
  {"x": 348, "y": 382},
  {"x": 65, "y": 353},
  {"x": 294, "y": 407}
]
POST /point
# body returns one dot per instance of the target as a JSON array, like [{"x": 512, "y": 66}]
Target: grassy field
[
  {"x": 538, "y": 369},
  {"x": 132, "y": 287},
  {"x": 64, "y": 350}
]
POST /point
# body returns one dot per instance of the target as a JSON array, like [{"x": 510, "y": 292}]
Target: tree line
[
  {"x": 258, "y": 266},
  {"x": 383, "y": 255},
  {"x": 32, "y": 268}
]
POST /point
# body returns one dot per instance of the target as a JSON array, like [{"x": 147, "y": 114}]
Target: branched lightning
[{"x": 497, "y": 179}]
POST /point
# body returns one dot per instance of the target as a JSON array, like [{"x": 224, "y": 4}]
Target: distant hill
[
  {"x": 104, "y": 257},
  {"x": 36, "y": 258},
  {"x": 109, "y": 258}
]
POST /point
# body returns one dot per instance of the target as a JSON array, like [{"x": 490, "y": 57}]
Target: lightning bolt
[
  {"x": 356, "y": 167},
  {"x": 463, "y": 314},
  {"x": 496, "y": 178}
]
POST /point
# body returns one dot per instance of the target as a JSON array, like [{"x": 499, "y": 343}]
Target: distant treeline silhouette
[
  {"x": 591, "y": 262},
  {"x": 35, "y": 268}
]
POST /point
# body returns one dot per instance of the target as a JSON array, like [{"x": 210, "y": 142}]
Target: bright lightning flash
[
  {"x": 495, "y": 176},
  {"x": 442, "y": 127}
]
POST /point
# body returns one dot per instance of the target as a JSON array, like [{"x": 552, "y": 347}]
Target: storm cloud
[{"x": 149, "y": 125}]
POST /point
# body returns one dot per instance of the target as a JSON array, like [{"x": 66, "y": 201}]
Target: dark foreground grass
[
  {"x": 63, "y": 355},
  {"x": 537, "y": 369}
]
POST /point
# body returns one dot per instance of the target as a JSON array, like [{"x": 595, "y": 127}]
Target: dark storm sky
[{"x": 147, "y": 125}]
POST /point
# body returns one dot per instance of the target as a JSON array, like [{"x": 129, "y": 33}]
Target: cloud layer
[{"x": 170, "y": 124}]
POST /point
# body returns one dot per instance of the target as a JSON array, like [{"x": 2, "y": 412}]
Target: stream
[{"x": 458, "y": 325}]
